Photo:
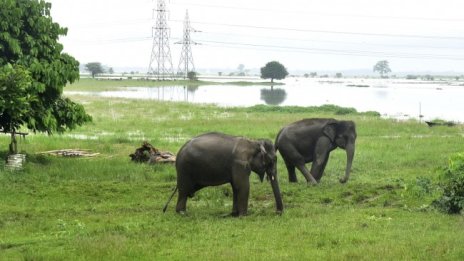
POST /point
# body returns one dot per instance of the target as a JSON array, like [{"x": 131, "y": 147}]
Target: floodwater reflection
[{"x": 273, "y": 96}]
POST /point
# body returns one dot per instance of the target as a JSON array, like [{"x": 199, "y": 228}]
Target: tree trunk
[{"x": 14, "y": 144}]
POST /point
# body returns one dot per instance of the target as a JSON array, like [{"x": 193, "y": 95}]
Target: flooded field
[{"x": 395, "y": 98}]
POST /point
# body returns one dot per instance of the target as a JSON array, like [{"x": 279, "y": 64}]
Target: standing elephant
[
  {"x": 213, "y": 159},
  {"x": 312, "y": 140}
]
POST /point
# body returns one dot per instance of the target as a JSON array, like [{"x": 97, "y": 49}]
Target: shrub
[
  {"x": 193, "y": 76},
  {"x": 452, "y": 200}
]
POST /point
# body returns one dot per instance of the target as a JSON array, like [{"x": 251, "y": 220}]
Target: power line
[
  {"x": 326, "y": 14},
  {"x": 144, "y": 38},
  {"x": 139, "y": 21},
  {"x": 339, "y": 52},
  {"x": 331, "y": 32},
  {"x": 337, "y": 42},
  {"x": 310, "y": 50}
]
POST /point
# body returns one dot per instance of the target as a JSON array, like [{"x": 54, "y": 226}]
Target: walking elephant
[
  {"x": 312, "y": 140},
  {"x": 213, "y": 159}
]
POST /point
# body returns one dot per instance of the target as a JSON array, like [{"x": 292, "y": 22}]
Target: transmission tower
[
  {"x": 186, "y": 58},
  {"x": 160, "y": 61}
]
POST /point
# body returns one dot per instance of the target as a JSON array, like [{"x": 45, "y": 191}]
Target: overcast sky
[{"x": 306, "y": 35}]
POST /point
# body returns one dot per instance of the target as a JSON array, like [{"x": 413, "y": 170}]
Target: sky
[{"x": 303, "y": 35}]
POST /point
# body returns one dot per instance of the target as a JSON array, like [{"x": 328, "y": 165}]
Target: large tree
[
  {"x": 34, "y": 70},
  {"x": 382, "y": 67},
  {"x": 273, "y": 70},
  {"x": 94, "y": 68}
]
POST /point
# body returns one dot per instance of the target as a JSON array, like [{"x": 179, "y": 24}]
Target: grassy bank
[{"x": 108, "y": 208}]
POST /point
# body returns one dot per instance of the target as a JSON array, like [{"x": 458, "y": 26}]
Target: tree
[
  {"x": 382, "y": 67},
  {"x": 241, "y": 68},
  {"x": 33, "y": 71},
  {"x": 94, "y": 68},
  {"x": 15, "y": 103},
  {"x": 273, "y": 70},
  {"x": 338, "y": 75},
  {"x": 110, "y": 70},
  {"x": 192, "y": 76}
]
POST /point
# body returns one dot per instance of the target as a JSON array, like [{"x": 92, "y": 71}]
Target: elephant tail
[{"x": 169, "y": 200}]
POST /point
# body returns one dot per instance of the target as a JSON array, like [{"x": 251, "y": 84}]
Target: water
[{"x": 392, "y": 98}]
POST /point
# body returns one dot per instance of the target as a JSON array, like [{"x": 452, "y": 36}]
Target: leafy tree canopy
[
  {"x": 94, "y": 68},
  {"x": 15, "y": 101},
  {"x": 193, "y": 76},
  {"x": 273, "y": 70},
  {"x": 382, "y": 67},
  {"x": 33, "y": 70}
]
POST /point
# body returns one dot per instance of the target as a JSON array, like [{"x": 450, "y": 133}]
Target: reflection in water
[
  {"x": 192, "y": 88},
  {"x": 273, "y": 96},
  {"x": 433, "y": 100},
  {"x": 171, "y": 93},
  {"x": 381, "y": 93},
  {"x": 189, "y": 92}
]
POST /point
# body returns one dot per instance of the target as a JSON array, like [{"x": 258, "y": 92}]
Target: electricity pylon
[
  {"x": 160, "y": 61},
  {"x": 186, "y": 64}
]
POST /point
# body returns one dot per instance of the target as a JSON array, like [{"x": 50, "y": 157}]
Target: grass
[{"x": 108, "y": 208}]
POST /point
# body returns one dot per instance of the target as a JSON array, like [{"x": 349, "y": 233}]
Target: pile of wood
[
  {"x": 147, "y": 153},
  {"x": 71, "y": 153}
]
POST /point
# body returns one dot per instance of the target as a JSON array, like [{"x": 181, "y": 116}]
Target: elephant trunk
[
  {"x": 276, "y": 191},
  {"x": 350, "y": 148}
]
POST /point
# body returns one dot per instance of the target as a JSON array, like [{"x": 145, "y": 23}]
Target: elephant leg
[
  {"x": 234, "y": 204},
  {"x": 242, "y": 200},
  {"x": 241, "y": 188},
  {"x": 318, "y": 166},
  {"x": 306, "y": 173},
  {"x": 186, "y": 189},
  {"x": 291, "y": 172},
  {"x": 321, "y": 173},
  {"x": 181, "y": 201}
]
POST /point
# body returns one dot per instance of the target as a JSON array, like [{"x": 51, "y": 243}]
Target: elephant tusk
[{"x": 272, "y": 178}]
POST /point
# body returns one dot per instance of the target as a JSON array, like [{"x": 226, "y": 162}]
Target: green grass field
[{"x": 109, "y": 208}]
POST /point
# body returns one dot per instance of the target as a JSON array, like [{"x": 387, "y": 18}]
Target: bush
[
  {"x": 193, "y": 76},
  {"x": 452, "y": 200}
]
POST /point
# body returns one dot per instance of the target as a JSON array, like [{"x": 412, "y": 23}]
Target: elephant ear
[{"x": 329, "y": 130}]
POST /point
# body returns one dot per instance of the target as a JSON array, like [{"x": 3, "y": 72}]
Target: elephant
[
  {"x": 214, "y": 158},
  {"x": 312, "y": 140}
]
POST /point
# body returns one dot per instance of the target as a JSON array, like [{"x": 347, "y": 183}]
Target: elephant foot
[
  {"x": 236, "y": 214},
  {"x": 343, "y": 180},
  {"x": 182, "y": 212},
  {"x": 312, "y": 183}
]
